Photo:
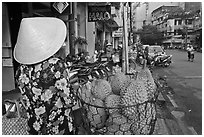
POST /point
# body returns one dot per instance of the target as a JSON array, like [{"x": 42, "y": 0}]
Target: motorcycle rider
[{"x": 190, "y": 52}]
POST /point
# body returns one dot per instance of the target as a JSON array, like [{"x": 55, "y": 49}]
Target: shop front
[{"x": 74, "y": 15}]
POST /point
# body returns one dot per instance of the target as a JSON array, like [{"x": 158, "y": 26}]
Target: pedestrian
[
  {"x": 190, "y": 52},
  {"x": 98, "y": 46},
  {"x": 42, "y": 78}
]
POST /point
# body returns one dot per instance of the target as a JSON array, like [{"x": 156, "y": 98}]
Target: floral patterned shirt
[{"x": 48, "y": 97}]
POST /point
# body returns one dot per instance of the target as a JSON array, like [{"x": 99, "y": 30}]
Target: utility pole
[
  {"x": 72, "y": 27},
  {"x": 186, "y": 35},
  {"x": 186, "y": 38},
  {"x": 130, "y": 5},
  {"x": 125, "y": 66}
]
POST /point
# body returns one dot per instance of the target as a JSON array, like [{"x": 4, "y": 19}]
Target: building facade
[
  {"x": 177, "y": 23},
  {"x": 142, "y": 12}
]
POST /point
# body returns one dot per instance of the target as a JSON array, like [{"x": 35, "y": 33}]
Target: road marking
[
  {"x": 172, "y": 101},
  {"x": 184, "y": 77},
  {"x": 192, "y": 130},
  {"x": 192, "y": 77}
]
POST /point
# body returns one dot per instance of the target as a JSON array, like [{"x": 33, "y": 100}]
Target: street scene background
[
  {"x": 185, "y": 81},
  {"x": 123, "y": 33}
]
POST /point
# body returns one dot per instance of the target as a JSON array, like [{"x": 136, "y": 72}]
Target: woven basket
[{"x": 143, "y": 125}]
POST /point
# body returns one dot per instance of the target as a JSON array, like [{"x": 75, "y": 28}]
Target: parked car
[
  {"x": 154, "y": 50},
  {"x": 157, "y": 56}
]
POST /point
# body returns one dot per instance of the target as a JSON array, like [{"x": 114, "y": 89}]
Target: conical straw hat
[{"x": 38, "y": 39}]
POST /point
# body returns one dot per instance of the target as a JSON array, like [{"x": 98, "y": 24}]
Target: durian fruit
[
  {"x": 134, "y": 95},
  {"x": 117, "y": 124},
  {"x": 113, "y": 101},
  {"x": 118, "y": 82},
  {"x": 146, "y": 76},
  {"x": 146, "y": 118},
  {"x": 101, "y": 89},
  {"x": 96, "y": 115}
]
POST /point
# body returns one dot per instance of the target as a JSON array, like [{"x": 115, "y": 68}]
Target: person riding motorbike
[{"x": 190, "y": 52}]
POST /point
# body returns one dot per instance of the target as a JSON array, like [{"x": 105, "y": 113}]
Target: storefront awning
[
  {"x": 173, "y": 41},
  {"x": 110, "y": 25},
  {"x": 167, "y": 41},
  {"x": 177, "y": 41}
]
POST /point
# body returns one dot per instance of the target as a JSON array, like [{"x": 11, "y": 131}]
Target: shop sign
[
  {"x": 99, "y": 13},
  {"x": 117, "y": 34},
  {"x": 60, "y": 6}
]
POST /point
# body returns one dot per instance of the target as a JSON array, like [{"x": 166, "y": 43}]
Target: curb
[
  {"x": 160, "y": 125},
  {"x": 178, "y": 115}
]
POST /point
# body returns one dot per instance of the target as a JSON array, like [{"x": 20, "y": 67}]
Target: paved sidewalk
[
  {"x": 169, "y": 122},
  {"x": 160, "y": 127}
]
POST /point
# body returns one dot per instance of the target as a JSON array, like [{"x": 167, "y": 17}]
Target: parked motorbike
[{"x": 161, "y": 60}]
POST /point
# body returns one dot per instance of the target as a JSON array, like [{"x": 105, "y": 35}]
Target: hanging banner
[{"x": 99, "y": 13}]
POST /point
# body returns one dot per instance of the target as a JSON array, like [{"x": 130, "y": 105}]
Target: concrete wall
[
  {"x": 86, "y": 29},
  {"x": 90, "y": 36},
  {"x": 8, "y": 82},
  {"x": 81, "y": 8}
]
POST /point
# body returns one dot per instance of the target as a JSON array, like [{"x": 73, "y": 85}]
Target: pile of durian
[{"x": 121, "y": 106}]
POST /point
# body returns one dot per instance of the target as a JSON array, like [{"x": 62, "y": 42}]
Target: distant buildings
[
  {"x": 180, "y": 22},
  {"x": 142, "y": 12}
]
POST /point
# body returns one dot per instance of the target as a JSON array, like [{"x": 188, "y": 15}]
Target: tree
[
  {"x": 150, "y": 35},
  {"x": 80, "y": 44}
]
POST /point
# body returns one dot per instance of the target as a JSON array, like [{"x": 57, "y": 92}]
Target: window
[
  {"x": 175, "y": 32},
  {"x": 179, "y": 31},
  {"x": 179, "y": 22},
  {"x": 189, "y": 22}
]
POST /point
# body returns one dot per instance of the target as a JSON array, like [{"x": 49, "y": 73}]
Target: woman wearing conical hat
[{"x": 42, "y": 77}]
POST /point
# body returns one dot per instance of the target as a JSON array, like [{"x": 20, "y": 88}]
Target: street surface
[{"x": 184, "y": 79}]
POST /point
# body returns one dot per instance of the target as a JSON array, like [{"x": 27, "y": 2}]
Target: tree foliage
[
  {"x": 80, "y": 40},
  {"x": 149, "y": 35}
]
